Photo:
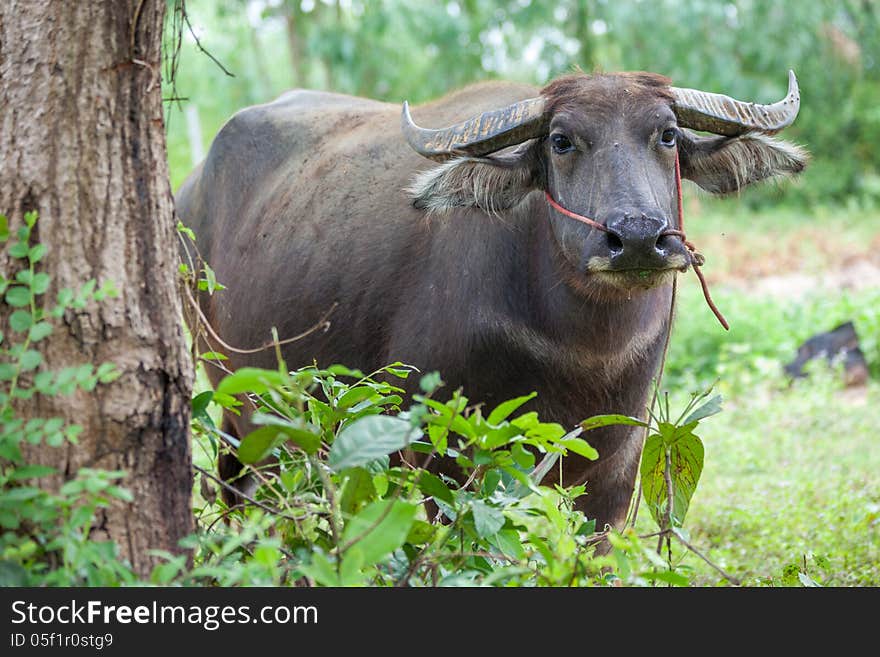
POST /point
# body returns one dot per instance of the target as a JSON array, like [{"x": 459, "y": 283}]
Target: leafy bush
[
  {"x": 45, "y": 536},
  {"x": 348, "y": 514}
]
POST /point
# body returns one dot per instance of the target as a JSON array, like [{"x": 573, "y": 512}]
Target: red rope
[
  {"x": 696, "y": 258},
  {"x": 574, "y": 215}
]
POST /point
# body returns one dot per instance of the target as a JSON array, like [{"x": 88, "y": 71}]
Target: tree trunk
[
  {"x": 584, "y": 36},
  {"x": 82, "y": 142},
  {"x": 292, "y": 18}
]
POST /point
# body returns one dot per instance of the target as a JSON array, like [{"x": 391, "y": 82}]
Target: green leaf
[
  {"x": 304, "y": 436},
  {"x": 711, "y": 407},
  {"x": 40, "y": 283},
  {"x": 199, "y": 405},
  {"x": 22, "y": 494},
  {"x": 379, "y": 529},
  {"x": 181, "y": 228},
  {"x": 357, "y": 490},
  {"x": 72, "y": 433},
  {"x": 31, "y": 472},
  {"x": 226, "y": 401},
  {"x": 209, "y": 282},
  {"x": 351, "y": 567},
  {"x": 607, "y": 420},
  {"x": 668, "y": 576},
  {"x": 686, "y": 455},
  {"x": 107, "y": 372},
  {"x": 354, "y": 396},
  {"x": 4, "y": 228},
  {"x": 30, "y": 218},
  {"x": 120, "y": 493},
  {"x": 588, "y": 528},
  {"x": 39, "y": 331},
  {"x": 7, "y": 371},
  {"x": 11, "y": 573},
  {"x": 18, "y": 296},
  {"x": 65, "y": 296},
  {"x": 19, "y": 250},
  {"x": 251, "y": 379},
  {"x": 433, "y": 486},
  {"x": 53, "y": 424},
  {"x": 399, "y": 372},
  {"x": 30, "y": 359},
  {"x": 510, "y": 543},
  {"x": 368, "y": 438},
  {"x": 342, "y": 370},
  {"x": 521, "y": 456},
  {"x": 500, "y": 436},
  {"x": 420, "y": 533},
  {"x": 212, "y": 355},
  {"x": 20, "y": 320},
  {"x": 259, "y": 443},
  {"x": 439, "y": 437},
  {"x": 449, "y": 418},
  {"x": 504, "y": 409},
  {"x": 430, "y": 382},
  {"x": 36, "y": 253},
  {"x": 321, "y": 570},
  {"x": 490, "y": 482},
  {"x": 579, "y": 446},
  {"x": 85, "y": 291},
  {"x": 487, "y": 519},
  {"x": 55, "y": 439}
]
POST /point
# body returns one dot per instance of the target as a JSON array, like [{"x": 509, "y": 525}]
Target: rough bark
[{"x": 82, "y": 142}]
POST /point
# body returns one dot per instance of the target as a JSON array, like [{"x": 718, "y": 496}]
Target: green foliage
[
  {"x": 765, "y": 333},
  {"x": 45, "y": 536},
  {"x": 350, "y": 512}
]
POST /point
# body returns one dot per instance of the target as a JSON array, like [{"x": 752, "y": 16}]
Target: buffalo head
[{"x": 606, "y": 147}]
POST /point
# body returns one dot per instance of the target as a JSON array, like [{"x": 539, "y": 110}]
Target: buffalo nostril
[
  {"x": 615, "y": 244},
  {"x": 664, "y": 242}
]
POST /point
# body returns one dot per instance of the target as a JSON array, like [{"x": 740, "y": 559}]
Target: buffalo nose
[{"x": 639, "y": 242}]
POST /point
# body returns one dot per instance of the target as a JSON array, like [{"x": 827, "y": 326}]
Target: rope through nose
[{"x": 697, "y": 259}]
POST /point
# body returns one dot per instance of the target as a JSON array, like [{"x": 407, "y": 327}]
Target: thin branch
[
  {"x": 730, "y": 578},
  {"x": 233, "y": 489},
  {"x": 321, "y": 324},
  {"x": 199, "y": 44}
]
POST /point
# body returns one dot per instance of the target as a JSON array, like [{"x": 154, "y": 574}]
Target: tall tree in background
[{"x": 82, "y": 142}]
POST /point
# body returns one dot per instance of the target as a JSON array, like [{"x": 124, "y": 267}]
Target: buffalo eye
[
  {"x": 561, "y": 143},
  {"x": 667, "y": 137}
]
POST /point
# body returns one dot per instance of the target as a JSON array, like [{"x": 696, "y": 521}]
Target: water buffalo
[{"x": 463, "y": 265}]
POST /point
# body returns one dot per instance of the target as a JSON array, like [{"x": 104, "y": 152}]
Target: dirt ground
[{"x": 791, "y": 265}]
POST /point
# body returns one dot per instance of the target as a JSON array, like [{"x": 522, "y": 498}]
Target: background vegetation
[{"x": 417, "y": 50}]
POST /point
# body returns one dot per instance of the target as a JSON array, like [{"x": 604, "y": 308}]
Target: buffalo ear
[
  {"x": 492, "y": 184},
  {"x": 726, "y": 164}
]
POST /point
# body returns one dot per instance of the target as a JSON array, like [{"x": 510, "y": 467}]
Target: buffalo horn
[
  {"x": 724, "y": 115},
  {"x": 479, "y": 135}
]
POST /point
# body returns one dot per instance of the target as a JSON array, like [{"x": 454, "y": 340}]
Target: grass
[
  {"x": 790, "y": 478},
  {"x": 790, "y": 492}
]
